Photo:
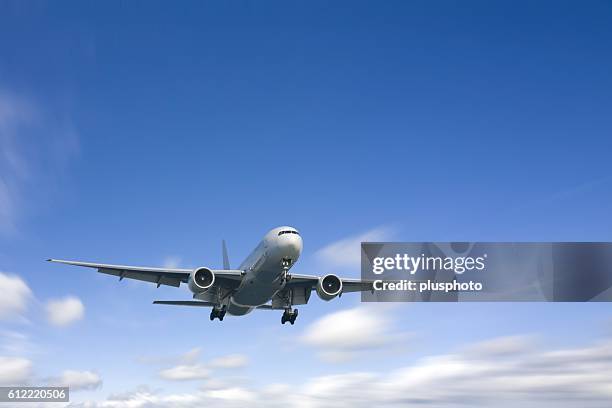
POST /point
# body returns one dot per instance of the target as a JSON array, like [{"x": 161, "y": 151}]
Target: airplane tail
[{"x": 226, "y": 263}]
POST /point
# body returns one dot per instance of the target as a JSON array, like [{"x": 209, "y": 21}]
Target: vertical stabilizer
[{"x": 226, "y": 264}]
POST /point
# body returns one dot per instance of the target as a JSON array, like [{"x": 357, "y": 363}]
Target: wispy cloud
[
  {"x": 189, "y": 368},
  {"x": 190, "y": 357},
  {"x": 585, "y": 189},
  {"x": 171, "y": 262},
  {"x": 14, "y": 112},
  {"x": 34, "y": 148},
  {"x": 15, "y": 343},
  {"x": 502, "y": 346},
  {"x": 185, "y": 372},
  {"x": 229, "y": 361},
  {"x": 346, "y": 253}
]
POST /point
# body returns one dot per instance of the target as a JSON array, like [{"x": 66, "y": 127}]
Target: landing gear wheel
[
  {"x": 293, "y": 317},
  {"x": 216, "y": 313},
  {"x": 289, "y": 316}
]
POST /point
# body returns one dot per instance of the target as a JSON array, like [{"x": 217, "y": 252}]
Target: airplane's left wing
[
  {"x": 159, "y": 276},
  {"x": 348, "y": 285}
]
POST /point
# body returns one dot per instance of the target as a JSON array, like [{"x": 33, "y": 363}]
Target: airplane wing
[
  {"x": 348, "y": 285},
  {"x": 159, "y": 276}
]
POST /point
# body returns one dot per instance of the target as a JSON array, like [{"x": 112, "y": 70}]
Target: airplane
[{"x": 262, "y": 281}]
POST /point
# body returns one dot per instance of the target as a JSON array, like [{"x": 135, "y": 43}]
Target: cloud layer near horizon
[{"x": 502, "y": 372}]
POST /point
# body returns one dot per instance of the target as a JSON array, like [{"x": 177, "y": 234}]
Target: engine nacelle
[
  {"x": 201, "y": 279},
  {"x": 329, "y": 287}
]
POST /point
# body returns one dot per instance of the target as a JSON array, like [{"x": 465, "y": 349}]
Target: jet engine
[
  {"x": 329, "y": 287},
  {"x": 200, "y": 280}
]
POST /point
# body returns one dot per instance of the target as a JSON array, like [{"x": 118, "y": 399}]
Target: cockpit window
[{"x": 287, "y": 232}]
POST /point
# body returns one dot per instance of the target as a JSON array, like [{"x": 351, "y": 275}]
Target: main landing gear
[
  {"x": 217, "y": 313},
  {"x": 289, "y": 316}
]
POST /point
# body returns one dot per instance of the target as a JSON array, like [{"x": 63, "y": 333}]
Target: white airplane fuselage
[{"x": 264, "y": 269}]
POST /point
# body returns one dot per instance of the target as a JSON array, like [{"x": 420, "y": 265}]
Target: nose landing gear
[
  {"x": 286, "y": 264},
  {"x": 289, "y": 316},
  {"x": 217, "y": 313}
]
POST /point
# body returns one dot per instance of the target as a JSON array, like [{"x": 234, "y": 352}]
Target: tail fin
[{"x": 226, "y": 264}]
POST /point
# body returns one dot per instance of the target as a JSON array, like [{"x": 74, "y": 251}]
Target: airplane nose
[{"x": 292, "y": 246}]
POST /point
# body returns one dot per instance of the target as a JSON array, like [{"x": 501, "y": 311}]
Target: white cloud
[
  {"x": 62, "y": 312},
  {"x": 15, "y": 370},
  {"x": 229, "y": 361},
  {"x": 78, "y": 380},
  {"x": 339, "y": 336},
  {"x": 189, "y": 369},
  {"x": 185, "y": 373},
  {"x": 509, "y": 372},
  {"x": 347, "y": 252},
  {"x": 233, "y": 394},
  {"x": 15, "y": 296}
]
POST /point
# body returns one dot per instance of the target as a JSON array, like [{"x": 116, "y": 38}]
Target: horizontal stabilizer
[{"x": 185, "y": 303}]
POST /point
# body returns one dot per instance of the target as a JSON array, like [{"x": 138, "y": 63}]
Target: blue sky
[{"x": 144, "y": 133}]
